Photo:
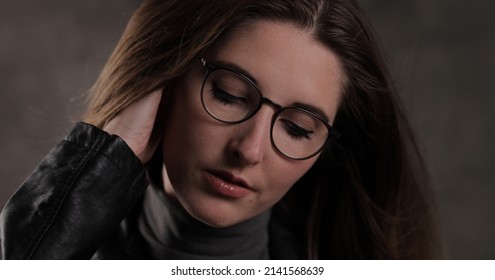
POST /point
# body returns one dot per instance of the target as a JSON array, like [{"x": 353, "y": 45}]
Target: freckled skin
[{"x": 289, "y": 66}]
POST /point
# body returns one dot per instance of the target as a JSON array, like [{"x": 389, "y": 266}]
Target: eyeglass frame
[{"x": 212, "y": 67}]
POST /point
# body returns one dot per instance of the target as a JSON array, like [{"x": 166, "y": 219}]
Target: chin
[
  {"x": 215, "y": 214},
  {"x": 217, "y": 223}
]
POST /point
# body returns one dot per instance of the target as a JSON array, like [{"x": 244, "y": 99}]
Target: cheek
[
  {"x": 190, "y": 136},
  {"x": 183, "y": 122}
]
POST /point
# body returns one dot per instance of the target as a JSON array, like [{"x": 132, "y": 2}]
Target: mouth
[{"x": 227, "y": 184}]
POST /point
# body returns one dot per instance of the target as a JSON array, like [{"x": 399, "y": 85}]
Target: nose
[{"x": 252, "y": 138}]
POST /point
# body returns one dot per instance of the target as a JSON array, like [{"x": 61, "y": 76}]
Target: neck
[{"x": 174, "y": 234}]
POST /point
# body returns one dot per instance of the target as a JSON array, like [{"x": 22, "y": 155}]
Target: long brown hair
[{"x": 367, "y": 196}]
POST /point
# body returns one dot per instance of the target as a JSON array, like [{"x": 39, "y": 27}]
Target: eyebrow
[
  {"x": 236, "y": 68},
  {"x": 313, "y": 109},
  {"x": 308, "y": 107}
]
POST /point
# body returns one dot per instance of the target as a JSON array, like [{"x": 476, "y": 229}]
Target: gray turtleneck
[{"x": 172, "y": 233}]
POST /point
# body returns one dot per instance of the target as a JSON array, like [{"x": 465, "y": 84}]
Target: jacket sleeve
[{"x": 74, "y": 200}]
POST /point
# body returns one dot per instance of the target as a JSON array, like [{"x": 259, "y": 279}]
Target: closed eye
[
  {"x": 295, "y": 131},
  {"x": 226, "y": 97}
]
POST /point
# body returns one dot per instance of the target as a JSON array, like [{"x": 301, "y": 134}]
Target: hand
[{"x": 135, "y": 126}]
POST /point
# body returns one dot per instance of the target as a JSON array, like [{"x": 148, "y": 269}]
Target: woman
[{"x": 269, "y": 129}]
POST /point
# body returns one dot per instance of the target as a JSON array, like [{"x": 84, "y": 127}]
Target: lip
[{"x": 228, "y": 184}]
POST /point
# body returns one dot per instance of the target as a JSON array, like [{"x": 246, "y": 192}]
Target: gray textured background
[{"x": 441, "y": 53}]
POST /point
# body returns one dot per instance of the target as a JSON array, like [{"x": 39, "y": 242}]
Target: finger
[
  {"x": 135, "y": 123},
  {"x": 143, "y": 112}
]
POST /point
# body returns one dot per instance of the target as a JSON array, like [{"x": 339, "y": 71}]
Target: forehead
[{"x": 289, "y": 65}]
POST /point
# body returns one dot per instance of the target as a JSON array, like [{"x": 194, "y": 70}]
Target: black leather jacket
[
  {"x": 82, "y": 200},
  {"x": 75, "y": 199}
]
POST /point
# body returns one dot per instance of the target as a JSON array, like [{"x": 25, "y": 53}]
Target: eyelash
[
  {"x": 224, "y": 96},
  {"x": 295, "y": 131}
]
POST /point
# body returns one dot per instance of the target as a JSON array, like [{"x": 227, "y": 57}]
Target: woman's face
[{"x": 224, "y": 174}]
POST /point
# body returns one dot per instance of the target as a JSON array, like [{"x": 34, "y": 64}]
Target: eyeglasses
[{"x": 231, "y": 97}]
